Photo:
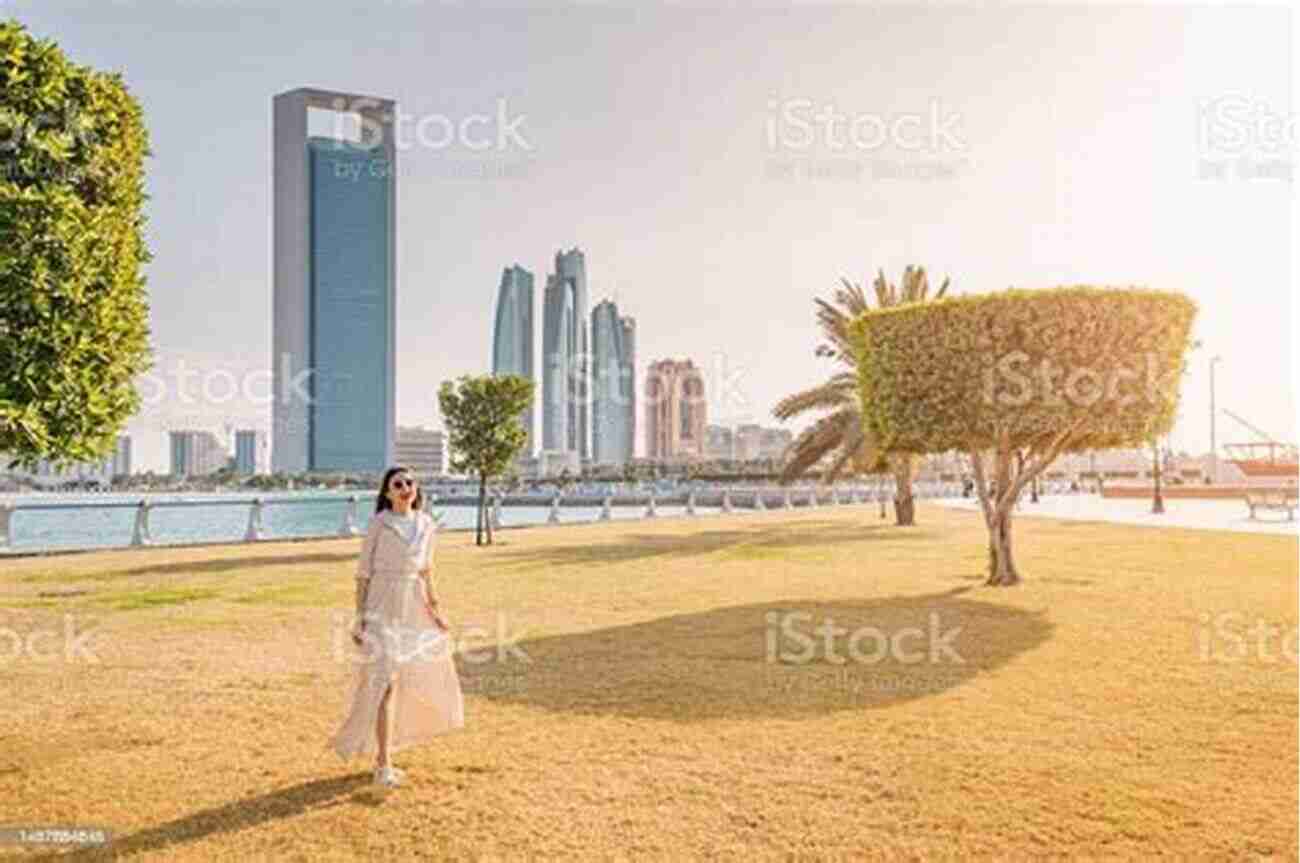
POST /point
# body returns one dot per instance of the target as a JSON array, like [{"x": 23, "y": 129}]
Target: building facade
[
  {"x": 250, "y": 451},
  {"x": 47, "y": 474},
  {"x": 334, "y": 310},
  {"x": 566, "y": 346},
  {"x": 512, "y": 335},
  {"x": 122, "y": 456},
  {"x": 558, "y": 462},
  {"x": 719, "y": 442},
  {"x": 629, "y": 347},
  {"x": 748, "y": 441},
  {"x": 612, "y": 395},
  {"x": 196, "y": 453},
  {"x": 422, "y": 450},
  {"x": 675, "y": 410},
  {"x": 773, "y": 443}
]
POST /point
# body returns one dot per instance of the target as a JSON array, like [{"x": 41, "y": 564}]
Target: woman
[{"x": 405, "y": 689}]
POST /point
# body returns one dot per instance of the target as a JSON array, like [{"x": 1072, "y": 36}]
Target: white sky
[{"x": 1102, "y": 145}]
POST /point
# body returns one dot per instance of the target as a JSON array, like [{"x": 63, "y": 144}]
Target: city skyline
[{"x": 677, "y": 166}]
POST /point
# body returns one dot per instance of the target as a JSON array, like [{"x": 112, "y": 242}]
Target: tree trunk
[
  {"x": 487, "y": 519},
  {"x": 478, "y": 521},
  {"x": 1157, "y": 499},
  {"x": 904, "y": 507},
  {"x": 1002, "y": 566}
]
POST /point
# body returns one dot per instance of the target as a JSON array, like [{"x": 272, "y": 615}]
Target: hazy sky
[{"x": 680, "y": 149}]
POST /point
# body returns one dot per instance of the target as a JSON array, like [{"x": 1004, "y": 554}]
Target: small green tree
[
  {"x": 484, "y": 431},
  {"x": 1015, "y": 379},
  {"x": 73, "y": 312}
]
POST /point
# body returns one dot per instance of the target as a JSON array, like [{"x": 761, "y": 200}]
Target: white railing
[{"x": 725, "y": 499}]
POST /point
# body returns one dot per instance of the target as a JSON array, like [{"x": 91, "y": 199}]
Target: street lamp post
[{"x": 1214, "y": 451}]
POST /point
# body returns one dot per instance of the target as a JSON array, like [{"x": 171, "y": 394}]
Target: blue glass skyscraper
[
  {"x": 565, "y": 357},
  {"x": 335, "y": 287},
  {"x": 611, "y": 385},
  {"x": 512, "y": 334}
]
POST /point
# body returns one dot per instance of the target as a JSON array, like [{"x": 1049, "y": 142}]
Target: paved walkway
[{"x": 1179, "y": 512}]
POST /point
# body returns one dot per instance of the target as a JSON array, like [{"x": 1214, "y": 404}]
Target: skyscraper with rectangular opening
[{"x": 335, "y": 277}]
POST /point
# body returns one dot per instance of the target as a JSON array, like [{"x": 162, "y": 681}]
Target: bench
[{"x": 1276, "y": 501}]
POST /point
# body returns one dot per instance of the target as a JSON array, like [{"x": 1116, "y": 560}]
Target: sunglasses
[{"x": 400, "y": 484}]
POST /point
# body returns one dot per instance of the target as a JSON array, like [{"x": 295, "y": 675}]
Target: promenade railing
[{"x": 648, "y": 503}]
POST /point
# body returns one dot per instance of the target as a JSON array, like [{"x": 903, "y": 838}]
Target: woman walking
[{"x": 405, "y": 689}]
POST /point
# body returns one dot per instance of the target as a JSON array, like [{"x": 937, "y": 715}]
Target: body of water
[{"x": 83, "y": 521}]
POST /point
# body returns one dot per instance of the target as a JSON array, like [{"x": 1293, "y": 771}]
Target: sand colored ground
[{"x": 1133, "y": 698}]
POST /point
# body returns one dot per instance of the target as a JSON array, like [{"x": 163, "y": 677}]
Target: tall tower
[
  {"x": 335, "y": 286},
  {"x": 675, "y": 410},
  {"x": 565, "y": 364},
  {"x": 611, "y": 394},
  {"x": 629, "y": 373},
  {"x": 512, "y": 336}
]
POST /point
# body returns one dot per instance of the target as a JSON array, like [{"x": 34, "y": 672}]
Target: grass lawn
[{"x": 1101, "y": 709}]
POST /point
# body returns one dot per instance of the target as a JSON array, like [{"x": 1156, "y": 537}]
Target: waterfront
[{"x": 108, "y": 520}]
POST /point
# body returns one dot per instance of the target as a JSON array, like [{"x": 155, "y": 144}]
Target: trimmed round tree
[
  {"x": 73, "y": 313},
  {"x": 1017, "y": 378}
]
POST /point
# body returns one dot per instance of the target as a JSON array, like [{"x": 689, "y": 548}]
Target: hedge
[{"x": 957, "y": 373}]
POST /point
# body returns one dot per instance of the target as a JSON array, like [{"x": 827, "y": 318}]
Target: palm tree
[{"x": 840, "y": 435}]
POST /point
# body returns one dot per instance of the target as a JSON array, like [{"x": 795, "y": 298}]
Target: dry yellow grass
[{"x": 1086, "y": 719}]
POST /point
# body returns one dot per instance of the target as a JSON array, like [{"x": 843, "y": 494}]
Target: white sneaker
[{"x": 389, "y": 777}]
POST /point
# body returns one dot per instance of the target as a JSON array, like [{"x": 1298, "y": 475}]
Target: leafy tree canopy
[{"x": 73, "y": 311}]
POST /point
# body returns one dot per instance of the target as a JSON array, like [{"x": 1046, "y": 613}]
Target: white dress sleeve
[{"x": 366, "y": 561}]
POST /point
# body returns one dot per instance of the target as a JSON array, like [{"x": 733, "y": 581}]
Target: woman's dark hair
[{"x": 382, "y": 502}]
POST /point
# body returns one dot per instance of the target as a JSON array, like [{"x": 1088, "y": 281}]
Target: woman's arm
[
  {"x": 426, "y": 578},
  {"x": 365, "y": 562}
]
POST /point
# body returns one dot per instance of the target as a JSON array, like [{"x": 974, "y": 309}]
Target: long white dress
[{"x": 401, "y": 644}]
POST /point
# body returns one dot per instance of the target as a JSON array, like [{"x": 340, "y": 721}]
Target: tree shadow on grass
[
  {"x": 762, "y": 661},
  {"x": 228, "y": 818},
  {"x": 772, "y": 538},
  {"x": 197, "y": 567}
]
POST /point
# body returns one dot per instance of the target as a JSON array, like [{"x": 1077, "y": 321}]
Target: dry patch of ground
[{"x": 1133, "y": 698}]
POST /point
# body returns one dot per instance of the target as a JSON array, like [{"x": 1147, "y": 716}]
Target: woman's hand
[
  {"x": 357, "y": 634},
  {"x": 436, "y": 617}
]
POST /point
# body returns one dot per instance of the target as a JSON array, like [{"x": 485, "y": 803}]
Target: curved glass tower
[
  {"x": 611, "y": 380},
  {"x": 512, "y": 335},
  {"x": 565, "y": 348}
]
